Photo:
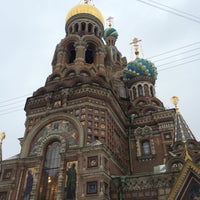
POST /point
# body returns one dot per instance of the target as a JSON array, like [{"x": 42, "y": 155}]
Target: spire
[{"x": 182, "y": 130}]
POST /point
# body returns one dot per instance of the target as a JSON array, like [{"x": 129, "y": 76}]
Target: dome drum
[
  {"x": 84, "y": 23},
  {"x": 130, "y": 80}
]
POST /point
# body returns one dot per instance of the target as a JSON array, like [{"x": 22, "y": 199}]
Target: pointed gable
[{"x": 187, "y": 185}]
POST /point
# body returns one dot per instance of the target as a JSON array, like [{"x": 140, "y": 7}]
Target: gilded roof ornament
[
  {"x": 2, "y": 137},
  {"x": 110, "y": 21},
  {"x": 175, "y": 101},
  {"x": 135, "y": 43}
]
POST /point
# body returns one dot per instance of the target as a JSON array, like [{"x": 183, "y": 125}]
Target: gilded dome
[{"x": 87, "y": 9}]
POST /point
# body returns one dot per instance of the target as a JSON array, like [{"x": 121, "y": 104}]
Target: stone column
[
  {"x": 80, "y": 48},
  {"x": 100, "y": 61}
]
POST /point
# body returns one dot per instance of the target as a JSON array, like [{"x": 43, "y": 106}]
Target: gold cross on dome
[
  {"x": 86, "y": 1},
  {"x": 110, "y": 21},
  {"x": 135, "y": 43}
]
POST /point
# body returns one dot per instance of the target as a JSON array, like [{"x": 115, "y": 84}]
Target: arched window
[
  {"x": 76, "y": 27},
  {"x": 146, "y": 90},
  {"x": 71, "y": 53},
  {"x": 176, "y": 166},
  {"x": 89, "y": 54},
  {"x": 49, "y": 180},
  {"x": 89, "y": 28},
  {"x": 152, "y": 91},
  {"x": 146, "y": 147},
  {"x": 83, "y": 26},
  {"x": 96, "y": 31},
  {"x": 140, "y": 90}
]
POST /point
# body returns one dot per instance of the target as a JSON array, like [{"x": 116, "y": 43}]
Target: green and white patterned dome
[
  {"x": 140, "y": 68},
  {"x": 110, "y": 32}
]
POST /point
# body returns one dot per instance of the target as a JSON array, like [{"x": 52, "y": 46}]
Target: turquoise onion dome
[
  {"x": 140, "y": 68},
  {"x": 110, "y": 32}
]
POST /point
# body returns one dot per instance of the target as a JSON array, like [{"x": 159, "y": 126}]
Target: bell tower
[{"x": 75, "y": 126}]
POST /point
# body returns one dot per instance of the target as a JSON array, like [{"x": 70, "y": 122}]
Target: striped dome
[
  {"x": 140, "y": 67},
  {"x": 110, "y": 32}
]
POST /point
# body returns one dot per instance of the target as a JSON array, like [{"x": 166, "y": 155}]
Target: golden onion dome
[{"x": 87, "y": 9}]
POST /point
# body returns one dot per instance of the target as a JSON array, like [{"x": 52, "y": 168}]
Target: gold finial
[
  {"x": 175, "y": 101},
  {"x": 86, "y": 1},
  {"x": 2, "y": 137},
  {"x": 135, "y": 43},
  {"x": 110, "y": 21}
]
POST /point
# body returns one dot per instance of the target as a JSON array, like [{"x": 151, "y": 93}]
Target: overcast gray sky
[{"x": 31, "y": 29}]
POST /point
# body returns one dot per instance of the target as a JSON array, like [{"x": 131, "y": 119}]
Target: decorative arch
[
  {"x": 175, "y": 164},
  {"x": 85, "y": 73},
  {"x": 156, "y": 102},
  {"x": 140, "y": 101},
  {"x": 149, "y": 110},
  {"x": 70, "y": 72},
  {"x": 60, "y": 130},
  {"x": 44, "y": 132},
  {"x": 93, "y": 40},
  {"x": 145, "y": 146},
  {"x": 53, "y": 77}
]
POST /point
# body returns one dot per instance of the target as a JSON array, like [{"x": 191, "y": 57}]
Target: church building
[{"x": 97, "y": 131}]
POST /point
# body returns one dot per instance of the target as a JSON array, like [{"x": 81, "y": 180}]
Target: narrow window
[
  {"x": 83, "y": 26},
  {"x": 96, "y": 31},
  {"x": 76, "y": 27},
  {"x": 49, "y": 180},
  {"x": 140, "y": 91},
  {"x": 89, "y": 28},
  {"x": 146, "y": 147},
  {"x": 71, "y": 53},
  {"x": 89, "y": 54},
  {"x": 152, "y": 91}
]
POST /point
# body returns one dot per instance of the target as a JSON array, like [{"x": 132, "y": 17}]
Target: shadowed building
[{"x": 96, "y": 129}]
